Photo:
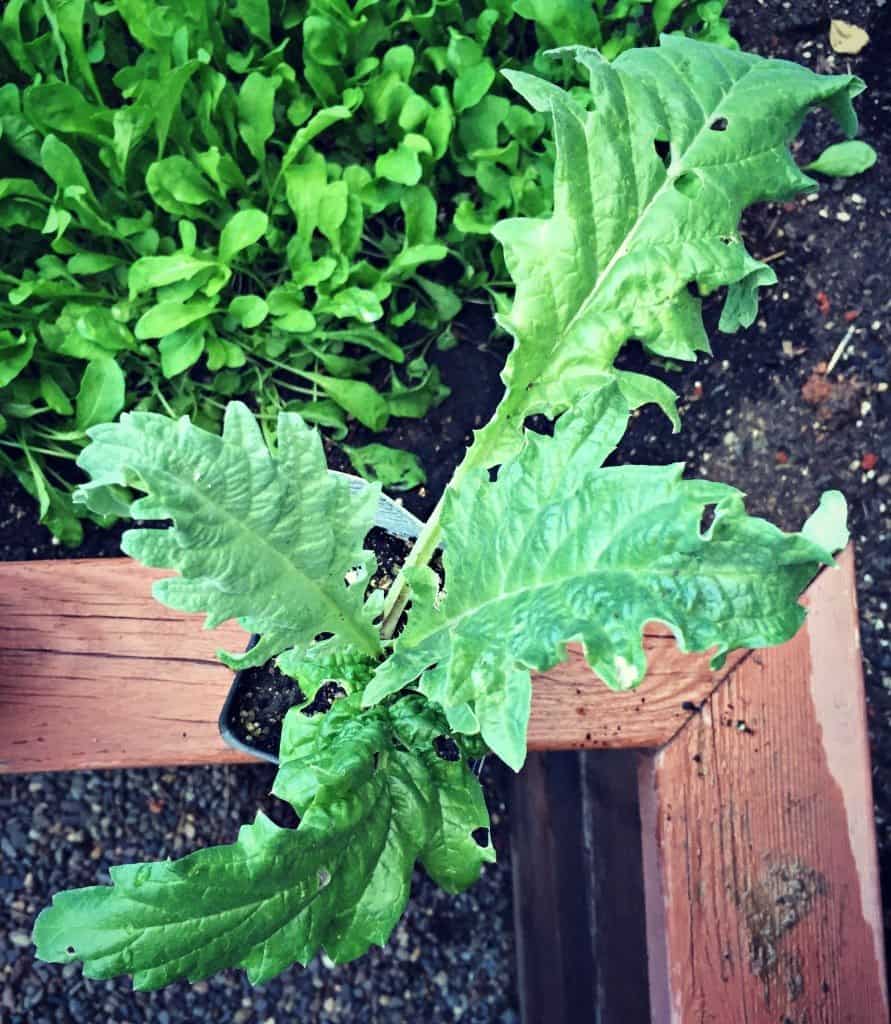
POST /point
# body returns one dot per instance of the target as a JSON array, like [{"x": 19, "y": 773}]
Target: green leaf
[
  {"x": 318, "y": 123},
  {"x": 325, "y": 662},
  {"x": 249, "y": 310},
  {"x": 392, "y": 468},
  {"x": 471, "y": 85},
  {"x": 157, "y": 271},
  {"x": 402, "y": 165},
  {"x": 177, "y": 186},
  {"x": 61, "y": 163},
  {"x": 446, "y": 303},
  {"x": 357, "y": 398},
  {"x": 352, "y": 303},
  {"x": 70, "y": 15},
  {"x": 844, "y": 159},
  {"x": 263, "y": 536},
  {"x": 92, "y": 263},
  {"x": 52, "y": 393},
  {"x": 555, "y": 573},
  {"x": 612, "y": 264},
  {"x": 338, "y": 883},
  {"x": 181, "y": 349},
  {"x": 102, "y": 392},
  {"x": 244, "y": 229},
  {"x": 15, "y": 354},
  {"x": 255, "y": 14},
  {"x": 256, "y": 122},
  {"x": 167, "y": 317},
  {"x": 58, "y": 107},
  {"x": 564, "y": 22}
]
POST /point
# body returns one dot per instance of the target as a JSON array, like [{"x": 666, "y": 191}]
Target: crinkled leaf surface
[
  {"x": 326, "y": 662},
  {"x": 262, "y": 536},
  {"x": 560, "y": 549},
  {"x": 613, "y": 263},
  {"x": 374, "y": 798}
]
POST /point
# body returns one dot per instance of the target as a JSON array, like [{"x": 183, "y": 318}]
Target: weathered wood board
[
  {"x": 96, "y": 674},
  {"x": 759, "y": 849},
  {"x": 754, "y": 825}
]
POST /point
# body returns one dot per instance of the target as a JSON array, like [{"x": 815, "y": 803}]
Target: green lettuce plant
[
  {"x": 286, "y": 201},
  {"x": 542, "y": 542}
]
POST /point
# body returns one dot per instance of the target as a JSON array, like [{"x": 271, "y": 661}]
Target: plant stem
[
  {"x": 56, "y": 453},
  {"x": 424, "y": 547}
]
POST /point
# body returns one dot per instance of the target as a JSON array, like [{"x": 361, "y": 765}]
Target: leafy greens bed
[
  {"x": 212, "y": 199},
  {"x": 651, "y": 176}
]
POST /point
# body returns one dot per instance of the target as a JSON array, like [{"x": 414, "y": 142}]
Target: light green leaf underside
[
  {"x": 374, "y": 798},
  {"x": 262, "y": 536},
  {"x": 614, "y": 263},
  {"x": 559, "y": 549}
]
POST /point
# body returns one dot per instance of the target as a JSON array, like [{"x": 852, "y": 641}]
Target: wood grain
[
  {"x": 95, "y": 674},
  {"x": 758, "y": 840},
  {"x": 573, "y": 709}
]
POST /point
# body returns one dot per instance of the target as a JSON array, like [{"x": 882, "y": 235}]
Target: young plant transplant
[{"x": 542, "y": 543}]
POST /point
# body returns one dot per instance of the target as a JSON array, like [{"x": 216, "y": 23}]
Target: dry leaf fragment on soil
[{"x": 846, "y": 38}]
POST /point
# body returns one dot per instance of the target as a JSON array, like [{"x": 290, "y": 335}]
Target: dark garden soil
[
  {"x": 261, "y": 696},
  {"x": 798, "y": 403}
]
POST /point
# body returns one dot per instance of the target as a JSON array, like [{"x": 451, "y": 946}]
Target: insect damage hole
[
  {"x": 663, "y": 150},
  {"x": 481, "y": 836},
  {"x": 446, "y": 748},
  {"x": 718, "y": 125},
  {"x": 324, "y": 877},
  {"x": 707, "y": 519},
  {"x": 70, "y": 950}
]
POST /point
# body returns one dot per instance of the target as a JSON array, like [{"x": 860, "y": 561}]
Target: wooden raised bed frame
[{"x": 758, "y": 846}]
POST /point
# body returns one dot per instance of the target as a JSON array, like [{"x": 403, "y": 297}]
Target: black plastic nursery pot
[
  {"x": 240, "y": 725},
  {"x": 259, "y": 698}
]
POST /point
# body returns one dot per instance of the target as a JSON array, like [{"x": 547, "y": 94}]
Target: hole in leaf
[
  {"x": 324, "y": 877},
  {"x": 325, "y": 696},
  {"x": 539, "y": 424},
  {"x": 663, "y": 150},
  {"x": 446, "y": 748},
  {"x": 693, "y": 289},
  {"x": 719, "y": 125},
  {"x": 70, "y": 950},
  {"x": 688, "y": 184},
  {"x": 727, "y": 239},
  {"x": 493, "y": 474},
  {"x": 480, "y": 836},
  {"x": 707, "y": 518}
]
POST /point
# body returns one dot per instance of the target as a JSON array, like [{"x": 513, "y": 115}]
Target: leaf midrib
[
  {"x": 625, "y": 245},
  {"x": 452, "y": 624},
  {"x": 359, "y": 636}
]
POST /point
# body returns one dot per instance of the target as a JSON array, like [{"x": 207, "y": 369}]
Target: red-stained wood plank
[
  {"x": 573, "y": 710},
  {"x": 96, "y": 674},
  {"x": 758, "y": 839}
]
